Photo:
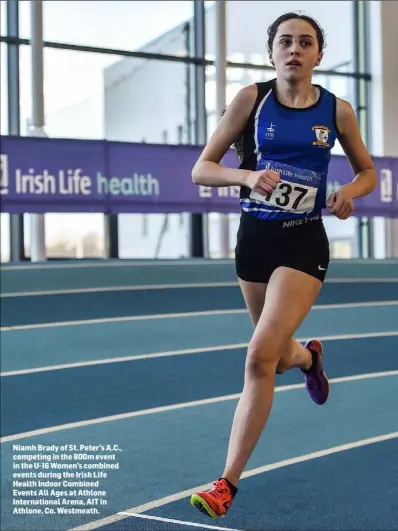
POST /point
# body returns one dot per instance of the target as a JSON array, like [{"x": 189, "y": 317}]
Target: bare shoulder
[
  {"x": 231, "y": 125},
  {"x": 345, "y": 115},
  {"x": 243, "y": 101},
  {"x": 248, "y": 93},
  {"x": 344, "y": 106},
  {"x": 350, "y": 137}
]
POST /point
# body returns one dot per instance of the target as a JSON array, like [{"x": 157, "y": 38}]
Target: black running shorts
[{"x": 263, "y": 246}]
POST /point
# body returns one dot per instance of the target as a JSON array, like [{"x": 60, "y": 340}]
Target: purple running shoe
[{"x": 316, "y": 380}]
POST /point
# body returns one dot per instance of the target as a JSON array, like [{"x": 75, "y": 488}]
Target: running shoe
[
  {"x": 316, "y": 381},
  {"x": 216, "y": 501}
]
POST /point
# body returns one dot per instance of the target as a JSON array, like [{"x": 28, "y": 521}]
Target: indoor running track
[{"x": 149, "y": 356}]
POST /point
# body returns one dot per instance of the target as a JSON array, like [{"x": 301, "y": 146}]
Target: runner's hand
[
  {"x": 263, "y": 182},
  {"x": 340, "y": 204}
]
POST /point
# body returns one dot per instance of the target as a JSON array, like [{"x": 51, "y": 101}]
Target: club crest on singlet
[{"x": 322, "y": 135}]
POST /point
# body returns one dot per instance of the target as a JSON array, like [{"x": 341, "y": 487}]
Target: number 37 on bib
[{"x": 289, "y": 196}]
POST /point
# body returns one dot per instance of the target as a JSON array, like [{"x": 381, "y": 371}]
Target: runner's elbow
[{"x": 198, "y": 173}]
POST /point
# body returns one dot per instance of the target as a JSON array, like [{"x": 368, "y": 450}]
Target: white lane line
[
  {"x": 249, "y": 473},
  {"x": 105, "y": 289},
  {"x": 193, "y": 285},
  {"x": 129, "y": 318},
  {"x": 183, "y": 405},
  {"x": 366, "y": 280},
  {"x": 124, "y": 358},
  {"x": 182, "y": 352},
  {"x": 120, "y": 263},
  {"x": 172, "y": 262},
  {"x": 173, "y": 521}
]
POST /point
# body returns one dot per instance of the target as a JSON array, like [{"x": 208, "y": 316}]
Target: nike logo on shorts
[{"x": 321, "y": 268}]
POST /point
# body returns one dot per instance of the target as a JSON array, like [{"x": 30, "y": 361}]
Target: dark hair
[{"x": 272, "y": 30}]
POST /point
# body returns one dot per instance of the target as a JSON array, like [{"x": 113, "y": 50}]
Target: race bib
[
  {"x": 289, "y": 196},
  {"x": 296, "y": 192}
]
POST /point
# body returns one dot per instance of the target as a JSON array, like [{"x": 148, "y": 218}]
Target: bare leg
[
  {"x": 295, "y": 356},
  {"x": 290, "y": 295},
  {"x": 254, "y": 295}
]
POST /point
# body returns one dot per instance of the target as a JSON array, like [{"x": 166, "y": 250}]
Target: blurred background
[{"x": 144, "y": 71}]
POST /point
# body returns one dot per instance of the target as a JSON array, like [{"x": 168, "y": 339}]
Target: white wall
[
  {"x": 384, "y": 71},
  {"x": 389, "y": 42},
  {"x": 145, "y": 98},
  {"x": 146, "y": 101},
  {"x": 384, "y": 106},
  {"x": 88, "y": 114}
]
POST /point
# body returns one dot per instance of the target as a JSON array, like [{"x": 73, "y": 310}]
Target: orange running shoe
[{"x": 216, "y": 501}]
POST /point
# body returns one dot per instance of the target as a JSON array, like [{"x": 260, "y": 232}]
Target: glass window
[
  {"x": 3, "y": 90},
  {"x": 154, "y": 235},
  {"x": 379, "y": 237},
  {"x": 70, "y": 235},
  {"x": 73, "y": 91},
  {"x": 335, "y": 17},
  {"x": 94, "y": 96},
  {"x": 343, "y": 237},
  {"x": 148, "y": 101},
  {"x": 3, "y": 17},
  {"x": 112, "y": 24},
  {"x": 342, "y": 87},
  {"x": 5, "y": 237}
]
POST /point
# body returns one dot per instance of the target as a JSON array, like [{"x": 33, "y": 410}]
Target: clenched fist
[
  {"x": 340, "y": 204},
  {"x": 263, "y": 182}
]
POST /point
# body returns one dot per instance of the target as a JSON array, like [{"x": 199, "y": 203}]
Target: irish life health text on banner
[{"x": 60, "y": 175}]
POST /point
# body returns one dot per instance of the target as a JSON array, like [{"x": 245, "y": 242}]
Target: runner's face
[{"x": 295, "y": 50}]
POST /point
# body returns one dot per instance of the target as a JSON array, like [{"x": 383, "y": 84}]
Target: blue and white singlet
[{"x": 295, "y": 142}]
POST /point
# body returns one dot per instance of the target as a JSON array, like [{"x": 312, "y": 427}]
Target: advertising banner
[{"x": 60, "y": 175}]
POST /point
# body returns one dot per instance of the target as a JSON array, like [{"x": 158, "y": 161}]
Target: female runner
[{"x": 283, "y": 130}]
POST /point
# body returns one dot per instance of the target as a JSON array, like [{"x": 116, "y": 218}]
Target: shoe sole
[
  {"x": 202, "y": 506},
  {"x": 327, "y": 392},
  {"x": 323, "y": 372}
]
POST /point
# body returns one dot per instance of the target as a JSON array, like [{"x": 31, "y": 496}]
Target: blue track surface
[
  {"x": 70, "y": 307},
  {"x": 326, "y": 493},
  {"x": 197, "y": 357},
  {"x": 122, "y": 387},
  {"x": 120, "y": 273}
]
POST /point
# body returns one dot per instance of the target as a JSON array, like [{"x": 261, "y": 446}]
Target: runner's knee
[{"x": 264, "y": 354}]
